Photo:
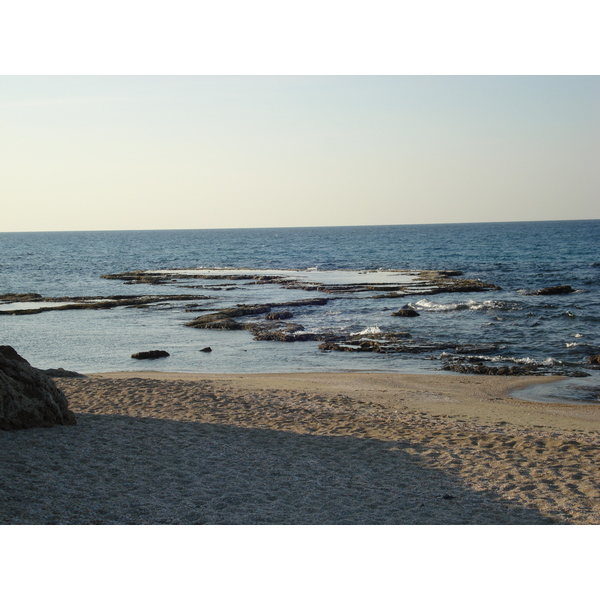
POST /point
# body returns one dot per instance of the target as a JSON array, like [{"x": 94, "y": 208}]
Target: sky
[{"x": 187, "y": 152}]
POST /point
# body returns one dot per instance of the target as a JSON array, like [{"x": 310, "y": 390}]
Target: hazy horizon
[
  {"x": 103, "y": 153},
  {"x": 304, "y": 226}
]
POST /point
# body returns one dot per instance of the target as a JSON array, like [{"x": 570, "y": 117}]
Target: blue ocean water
[{"x": 557, "y": 332}]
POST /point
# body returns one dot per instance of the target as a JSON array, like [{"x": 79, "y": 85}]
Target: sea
[{"x": 556, "y": 334}]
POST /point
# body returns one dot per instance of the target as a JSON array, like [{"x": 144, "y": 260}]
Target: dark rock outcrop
[
  {"x": 28, "y": 397},
  {"x": 229, "y": 324},
  {"x": 139, "y": 277},
  {"x": 279, "y": 315},
  {"x": 405, "y": 312},
  {"x": 304, "y": 302},
  {"x": 89, "y": 302},
  {"x": 224, "y": 319},
  {"x": 207, "y": 349},
  {"x": 150, "y": 354},
  {"x": 151, "y": 278},
  {"x": 477, "y": 367},
  {"x": 399, "y": 342},
  {"x": 276, "y": 331},
  {"x": 552, "y": 291},
  {"x": 481, "y": 369},
  {"x": 595, "y": 359},
  {"x": 450, "y": 273},
  {"x": 439, "y": 282},
  {"x": 19, "y": 297}
]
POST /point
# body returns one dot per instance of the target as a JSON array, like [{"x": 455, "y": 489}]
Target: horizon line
[{"x": 302, "y": 226}]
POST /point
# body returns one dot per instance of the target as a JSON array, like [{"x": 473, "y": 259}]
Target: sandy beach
[{"x": 351, "y": 448}]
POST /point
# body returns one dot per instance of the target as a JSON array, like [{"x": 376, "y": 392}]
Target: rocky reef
[
  {"x": 281, "y": 321},
  {"x": 85, "y": 302},
  {"x": 421, "y": 282},
  {"x": 153, "y": 278},
  {"x": 270, "y": 328}
]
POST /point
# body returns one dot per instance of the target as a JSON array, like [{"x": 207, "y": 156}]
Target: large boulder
[{"x": 28, "y": 397}]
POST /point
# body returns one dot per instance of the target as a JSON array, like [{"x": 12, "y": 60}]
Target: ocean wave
[
  {"x": 547, "y": 362},
  {"x": 527, "y": 360},
  {"x": 428, "y": 305},
  {"x": 368, "y": 331}
]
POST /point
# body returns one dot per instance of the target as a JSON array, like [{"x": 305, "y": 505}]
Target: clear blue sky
[{"x": 95, "y": 153}]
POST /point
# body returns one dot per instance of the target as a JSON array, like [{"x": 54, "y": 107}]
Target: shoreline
[{"x": 305, "y": 448}]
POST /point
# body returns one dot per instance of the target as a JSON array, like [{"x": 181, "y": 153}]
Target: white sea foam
[
  {"x": 528, "y": 361},
  {"x": 369, "y": 331},
  {"x": 433, "y": 306},
  {"x": 508, "y": 359},
  {"x": 571, "y": 344},
  {"x": 430, "y": 306}
]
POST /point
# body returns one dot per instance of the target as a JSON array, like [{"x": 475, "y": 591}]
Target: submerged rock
[
  {"x": 278, "y": 316},
  {"x": 150, "y": 354},
  {"x": 28, "y": 397},
  {"x": 228, "y": 324}
]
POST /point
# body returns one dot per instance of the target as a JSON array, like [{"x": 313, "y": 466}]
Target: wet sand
[{"x": 326, "y": 448}]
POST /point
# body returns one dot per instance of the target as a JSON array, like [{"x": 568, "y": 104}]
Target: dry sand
[{"x": 352, "y": 448}]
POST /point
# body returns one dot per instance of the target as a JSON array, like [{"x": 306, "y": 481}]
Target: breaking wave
[
  {"x": 548, "y": 362},
  {"x": 369, "y": 331},
  {"x": 428, "y": 305}
]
